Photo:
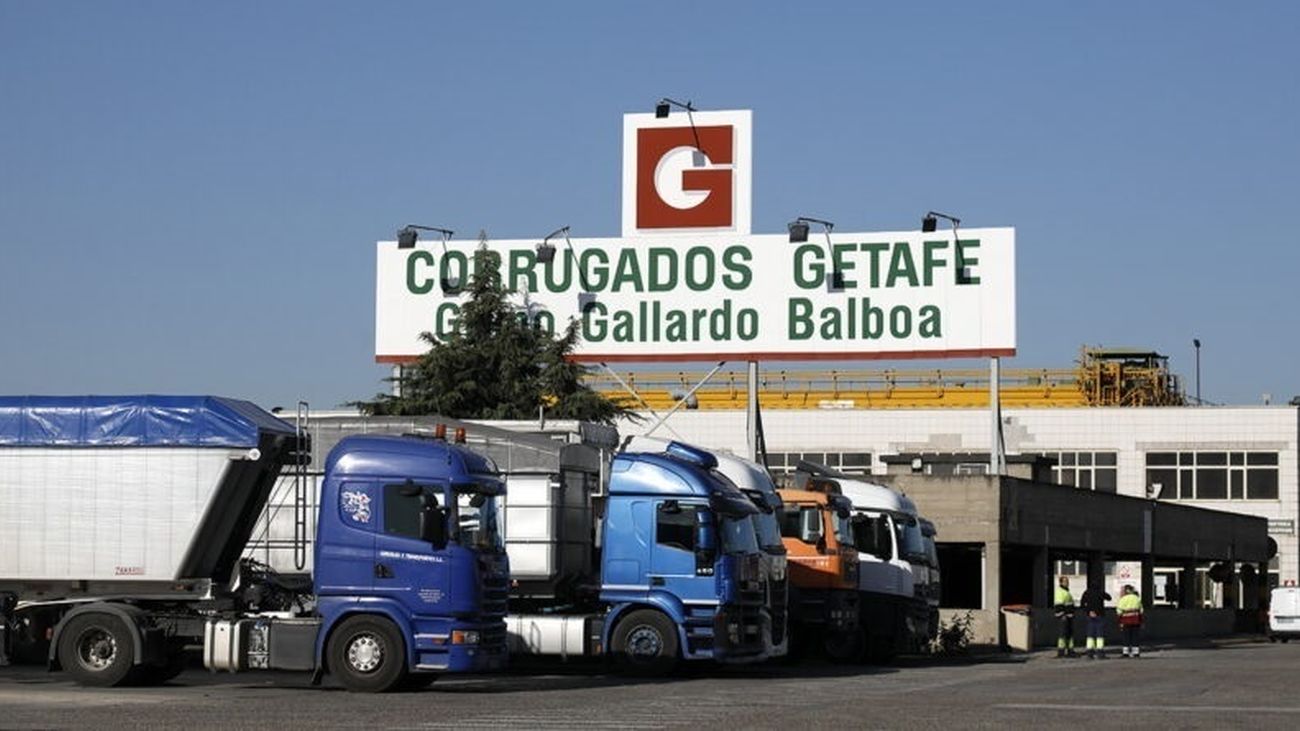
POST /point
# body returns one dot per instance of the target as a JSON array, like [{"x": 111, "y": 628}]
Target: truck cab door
[
  {"x": 407, "y": 568},
  {"x": 345, "y": 542},
  {"x": 675, "y": 557}
]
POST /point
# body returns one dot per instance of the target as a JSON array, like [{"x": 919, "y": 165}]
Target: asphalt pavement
[{"x": 1206, "y": 685}]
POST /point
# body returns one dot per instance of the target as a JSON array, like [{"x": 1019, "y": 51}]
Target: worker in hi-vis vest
[
  {"x": 1129, "y": 610},
  {"x": 1063, "y": 603}
]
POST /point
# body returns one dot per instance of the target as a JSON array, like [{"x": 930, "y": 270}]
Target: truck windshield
[
  {"x": 766, "y": 524},
  {"x": 873, "y": 535},
  {"x": 476, "y": 525},
  {"x": 843, "y": 529},
  {"x": 738, "y": 535},
  {"x": 911, "y": 543},
  {"x": 768, "y": 529}
]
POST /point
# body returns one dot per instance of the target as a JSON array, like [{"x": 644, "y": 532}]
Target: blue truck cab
[
  {"x": 408, "y": 539},
  {"x": 681, "y": 568}
]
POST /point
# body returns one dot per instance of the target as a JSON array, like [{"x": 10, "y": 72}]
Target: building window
[
  {"x": 850, "y": 463},
  {"x": 1080, "y": 568},
  {"x": 1088, "y": 470},
  {"x": 1213, "y": 475}
]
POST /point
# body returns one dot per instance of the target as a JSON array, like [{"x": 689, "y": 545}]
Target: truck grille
[
  {"x": 779, "y": 608},
  {"x": 493, "y": 635},
  {"x": 496, "y": 590}
]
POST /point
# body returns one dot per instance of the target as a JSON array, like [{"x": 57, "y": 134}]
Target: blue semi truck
[
  {"x": 648, "y": 558},
  {"x": 123, "y": 523}
]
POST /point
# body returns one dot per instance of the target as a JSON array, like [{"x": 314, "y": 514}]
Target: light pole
[{"x": 1196, "y": 343}]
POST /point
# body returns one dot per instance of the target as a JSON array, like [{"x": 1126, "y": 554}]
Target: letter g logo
[
  {"x": 670, "y": 191},
  {"x": 669, "y": 187}
]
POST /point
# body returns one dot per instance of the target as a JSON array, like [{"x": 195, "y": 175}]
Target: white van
[{"x": 1284, "y": 613}]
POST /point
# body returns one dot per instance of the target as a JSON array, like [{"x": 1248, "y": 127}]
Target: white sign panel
[
  {"x": 687, "y": 173},
  {"x": 727, "y": 297}
]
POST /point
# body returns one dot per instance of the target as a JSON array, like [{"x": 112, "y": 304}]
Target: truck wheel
[
  {"x": 844, "y": 646},
  {"x": 367, "y": 655},
  {"x": 97, "y": 649},
  {"x": 645, "y": 643}
]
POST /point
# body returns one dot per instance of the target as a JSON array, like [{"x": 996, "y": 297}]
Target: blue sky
[{"x": 190, "y": 192}]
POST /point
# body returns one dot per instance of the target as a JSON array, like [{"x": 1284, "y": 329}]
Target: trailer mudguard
[{"x": 133, "y": 617}]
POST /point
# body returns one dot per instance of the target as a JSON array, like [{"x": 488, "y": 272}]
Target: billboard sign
[{"x": 725, "y": 296}]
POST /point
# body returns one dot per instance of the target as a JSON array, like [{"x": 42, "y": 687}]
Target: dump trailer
[
  {"x": 646, "y": 558},
  {"x": 123, "y": 523},
  {"x": 753, "y": 480},
  {"x": 823, "y": 569}
]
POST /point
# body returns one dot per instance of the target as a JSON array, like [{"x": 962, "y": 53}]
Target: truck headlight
[{"x": 464, "y": 637}]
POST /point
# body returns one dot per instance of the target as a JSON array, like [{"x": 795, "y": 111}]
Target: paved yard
[{"x": 1212, "y": 686}]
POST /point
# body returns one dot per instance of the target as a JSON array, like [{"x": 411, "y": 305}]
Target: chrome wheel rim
[
  {"x": 96, "y": 649},
  {"x": 365, "y": 653},
  {"x": 645, "y": 643}
]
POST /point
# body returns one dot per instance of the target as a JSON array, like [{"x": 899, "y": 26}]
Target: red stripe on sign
[{"x": 693, "y": 357}]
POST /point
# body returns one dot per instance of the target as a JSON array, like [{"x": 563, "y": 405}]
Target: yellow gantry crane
[{"x": 1101, "y": 377}]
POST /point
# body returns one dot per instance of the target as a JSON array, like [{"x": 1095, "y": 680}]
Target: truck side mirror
[{"x": 706, "y": 540}]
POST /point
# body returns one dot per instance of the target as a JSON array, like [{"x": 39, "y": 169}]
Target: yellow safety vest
[
  {"x": 1129, "y": 603},
  {"x": 1063, "y": 597}
]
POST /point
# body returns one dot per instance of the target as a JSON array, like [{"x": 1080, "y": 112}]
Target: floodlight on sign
[
  {"x": 662, "y": 110},
  {"x": 409, "y": 234}
]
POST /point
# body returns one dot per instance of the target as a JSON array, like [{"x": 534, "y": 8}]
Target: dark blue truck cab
[{"x": 409, "y": 534}]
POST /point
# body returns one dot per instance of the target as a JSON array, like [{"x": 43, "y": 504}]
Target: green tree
[{"x": 499, "y": 364}]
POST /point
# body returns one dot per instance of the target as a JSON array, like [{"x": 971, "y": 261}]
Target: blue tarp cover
[{"x": 133, "y": 421}]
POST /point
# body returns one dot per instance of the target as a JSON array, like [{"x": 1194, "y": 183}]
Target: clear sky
[{"x": 190, "y": 192}]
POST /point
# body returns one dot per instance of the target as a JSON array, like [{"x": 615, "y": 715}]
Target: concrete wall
[{"x": 986, "y": 627}]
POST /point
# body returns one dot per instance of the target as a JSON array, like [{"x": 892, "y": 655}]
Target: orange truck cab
[{"x": 822, "y": 565}]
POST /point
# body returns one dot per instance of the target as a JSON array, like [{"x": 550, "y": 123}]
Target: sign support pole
[
  {"x": 682, "y": 401},
  {"x": 637, "y": 396},
  {"x": 751, "y": 411},
  {"x": 995, "y": 414}
]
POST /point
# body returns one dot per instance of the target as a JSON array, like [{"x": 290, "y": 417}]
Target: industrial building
[{"x": 1118, "y": 422}]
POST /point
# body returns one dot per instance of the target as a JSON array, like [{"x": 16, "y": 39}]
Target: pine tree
[{"x": 498, "y": 364}]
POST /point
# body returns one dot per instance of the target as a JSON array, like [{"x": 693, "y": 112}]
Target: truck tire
[
  {"x": 645, "y": 643},
  {"x": 98, "y": 649},
  {"x": 367, "y": 655},
  {"x": 844, "y": 646},
  {"x": 880, "y": 650}
]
